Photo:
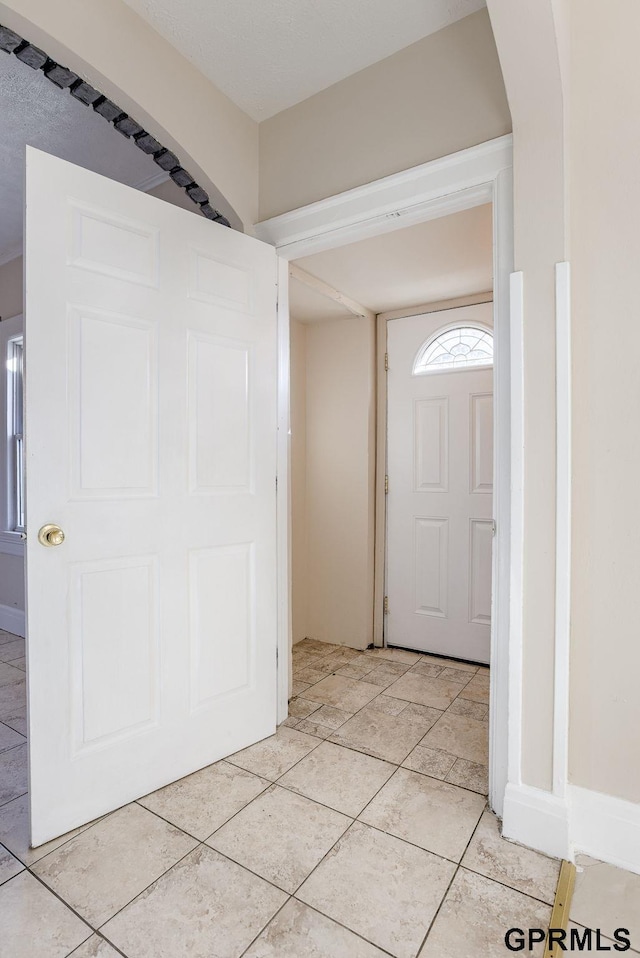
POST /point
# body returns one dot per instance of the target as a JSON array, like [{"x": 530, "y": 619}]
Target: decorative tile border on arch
[{"x": 66, "y": 79}]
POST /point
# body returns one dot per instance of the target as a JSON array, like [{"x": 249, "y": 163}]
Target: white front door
[
  {"x": 440, "y": 467},
  {"x": 151, "y": 442}
]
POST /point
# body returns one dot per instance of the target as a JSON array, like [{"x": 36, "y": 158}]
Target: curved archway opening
[{"x": 167, "y": 161}]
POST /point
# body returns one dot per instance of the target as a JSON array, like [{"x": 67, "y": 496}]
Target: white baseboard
[
  {"x": 12, "y": 619},
  {"x": 605, "y": 828},
  {"x": 589, "y": 823},
  {"x": 537, "y": 819}
]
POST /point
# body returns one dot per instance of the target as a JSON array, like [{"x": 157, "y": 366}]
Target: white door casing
[
  {"x": 439, "y": 508},
  {"x": 479, "y": 174},
  {"x": 151, "y": 441}
]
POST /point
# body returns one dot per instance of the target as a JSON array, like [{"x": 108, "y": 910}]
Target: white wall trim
[
  {"x": 516, "y": 292},
  {"x": 502, "y": 580},
  {"x": 12, "y": 620},
  {"x": 438, "y": 306},
  {"x": 456, "y": 182},
  {"x": 536, "y": 818},
  {"x": 482, "y": 174},
  {"x": 380, "y": 537},
  {"x": 605, "y": 828},
  {"x": 563, "y": 532},
  {"x": 283, "y": 495}
]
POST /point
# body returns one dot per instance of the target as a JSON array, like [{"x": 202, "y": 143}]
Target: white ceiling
[
  {"x": 441, "y": 259},
  {"x": 267, "y": 55},
  {"x": 33, "y": 111}
]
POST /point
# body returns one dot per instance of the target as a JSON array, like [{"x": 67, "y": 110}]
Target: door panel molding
[
  {"x": 431, "y": 424},
  {"x": 480, "y": 477},
  {"x": 480, "y": 538},
  {"x": 431, "y": 558}
]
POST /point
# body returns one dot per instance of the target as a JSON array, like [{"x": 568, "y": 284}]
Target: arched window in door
[{"x": 456, "y": 347}]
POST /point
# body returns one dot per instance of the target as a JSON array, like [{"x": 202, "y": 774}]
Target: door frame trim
[
  {"x": 283, "y": 496},
  {"x": 481, "y": 174}
]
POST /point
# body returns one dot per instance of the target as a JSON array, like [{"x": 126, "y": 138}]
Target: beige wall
[
  {"x": 605, "y": 253},
  {"x": 437, "y": 96},
  {"x": 119, "y": 53},
  {"x": 340, "y": 390},
  {"x": 527, "y": 42},
  {"x": 299, "y": 591}
]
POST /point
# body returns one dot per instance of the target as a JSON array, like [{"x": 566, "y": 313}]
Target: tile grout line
[
  {"x": 381, "y": 948},
  {"x": 352, "y": 715},
  {"x": 29, "y": 868},
  {"x": 348, "y": 829},
  {"x": 145, "y": 889},
  {"x": 95, "y": 929},
  {"x": 384, "y": 691},
  {"x": 380, "y": 831},
  {"x": 460, "y": 866},
  {"x": 200, "y": 843},
  {"x": 62, "y": 901},
  {"x": 448, "y": 888},
  {"x": 262, "y": 930},
  {"x": 5, "y": 721},
  {"x": 322, "y": 914},
  {"x": 290, "y": 895},
  {"x": 278, "y": 783},
  {"x": 82, "y": 830},
  {"x": 496, "y": 881},
  {"x": 398, "y": 766},
  {"x": 284, "y": 891},
  {"x": 274, "y": 783},
  {"x": 101, "y": 937}
]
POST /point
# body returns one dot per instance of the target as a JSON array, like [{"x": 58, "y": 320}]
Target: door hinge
[
  {"x": 386, "y": 484},
  {"x": 386, "y": 362},
  {"x": 386, "y": 605},
  {"x": 493, "y": 527}
]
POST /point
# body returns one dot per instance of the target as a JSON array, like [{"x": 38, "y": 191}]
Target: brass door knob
[{"x": 51, "y": 535}]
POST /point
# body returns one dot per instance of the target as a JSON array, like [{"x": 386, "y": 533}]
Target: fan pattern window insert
[{"x": 457, "y": 348}]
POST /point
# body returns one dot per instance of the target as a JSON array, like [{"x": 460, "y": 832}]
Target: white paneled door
[
  {"x": 151, "y": 443},
  {"x": 440, "y": 467}
]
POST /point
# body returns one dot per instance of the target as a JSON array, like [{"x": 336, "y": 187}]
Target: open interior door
[{"x": 151, "y": 443}]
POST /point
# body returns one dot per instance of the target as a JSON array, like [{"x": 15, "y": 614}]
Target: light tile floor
[{"x": 359, "y": 830}]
